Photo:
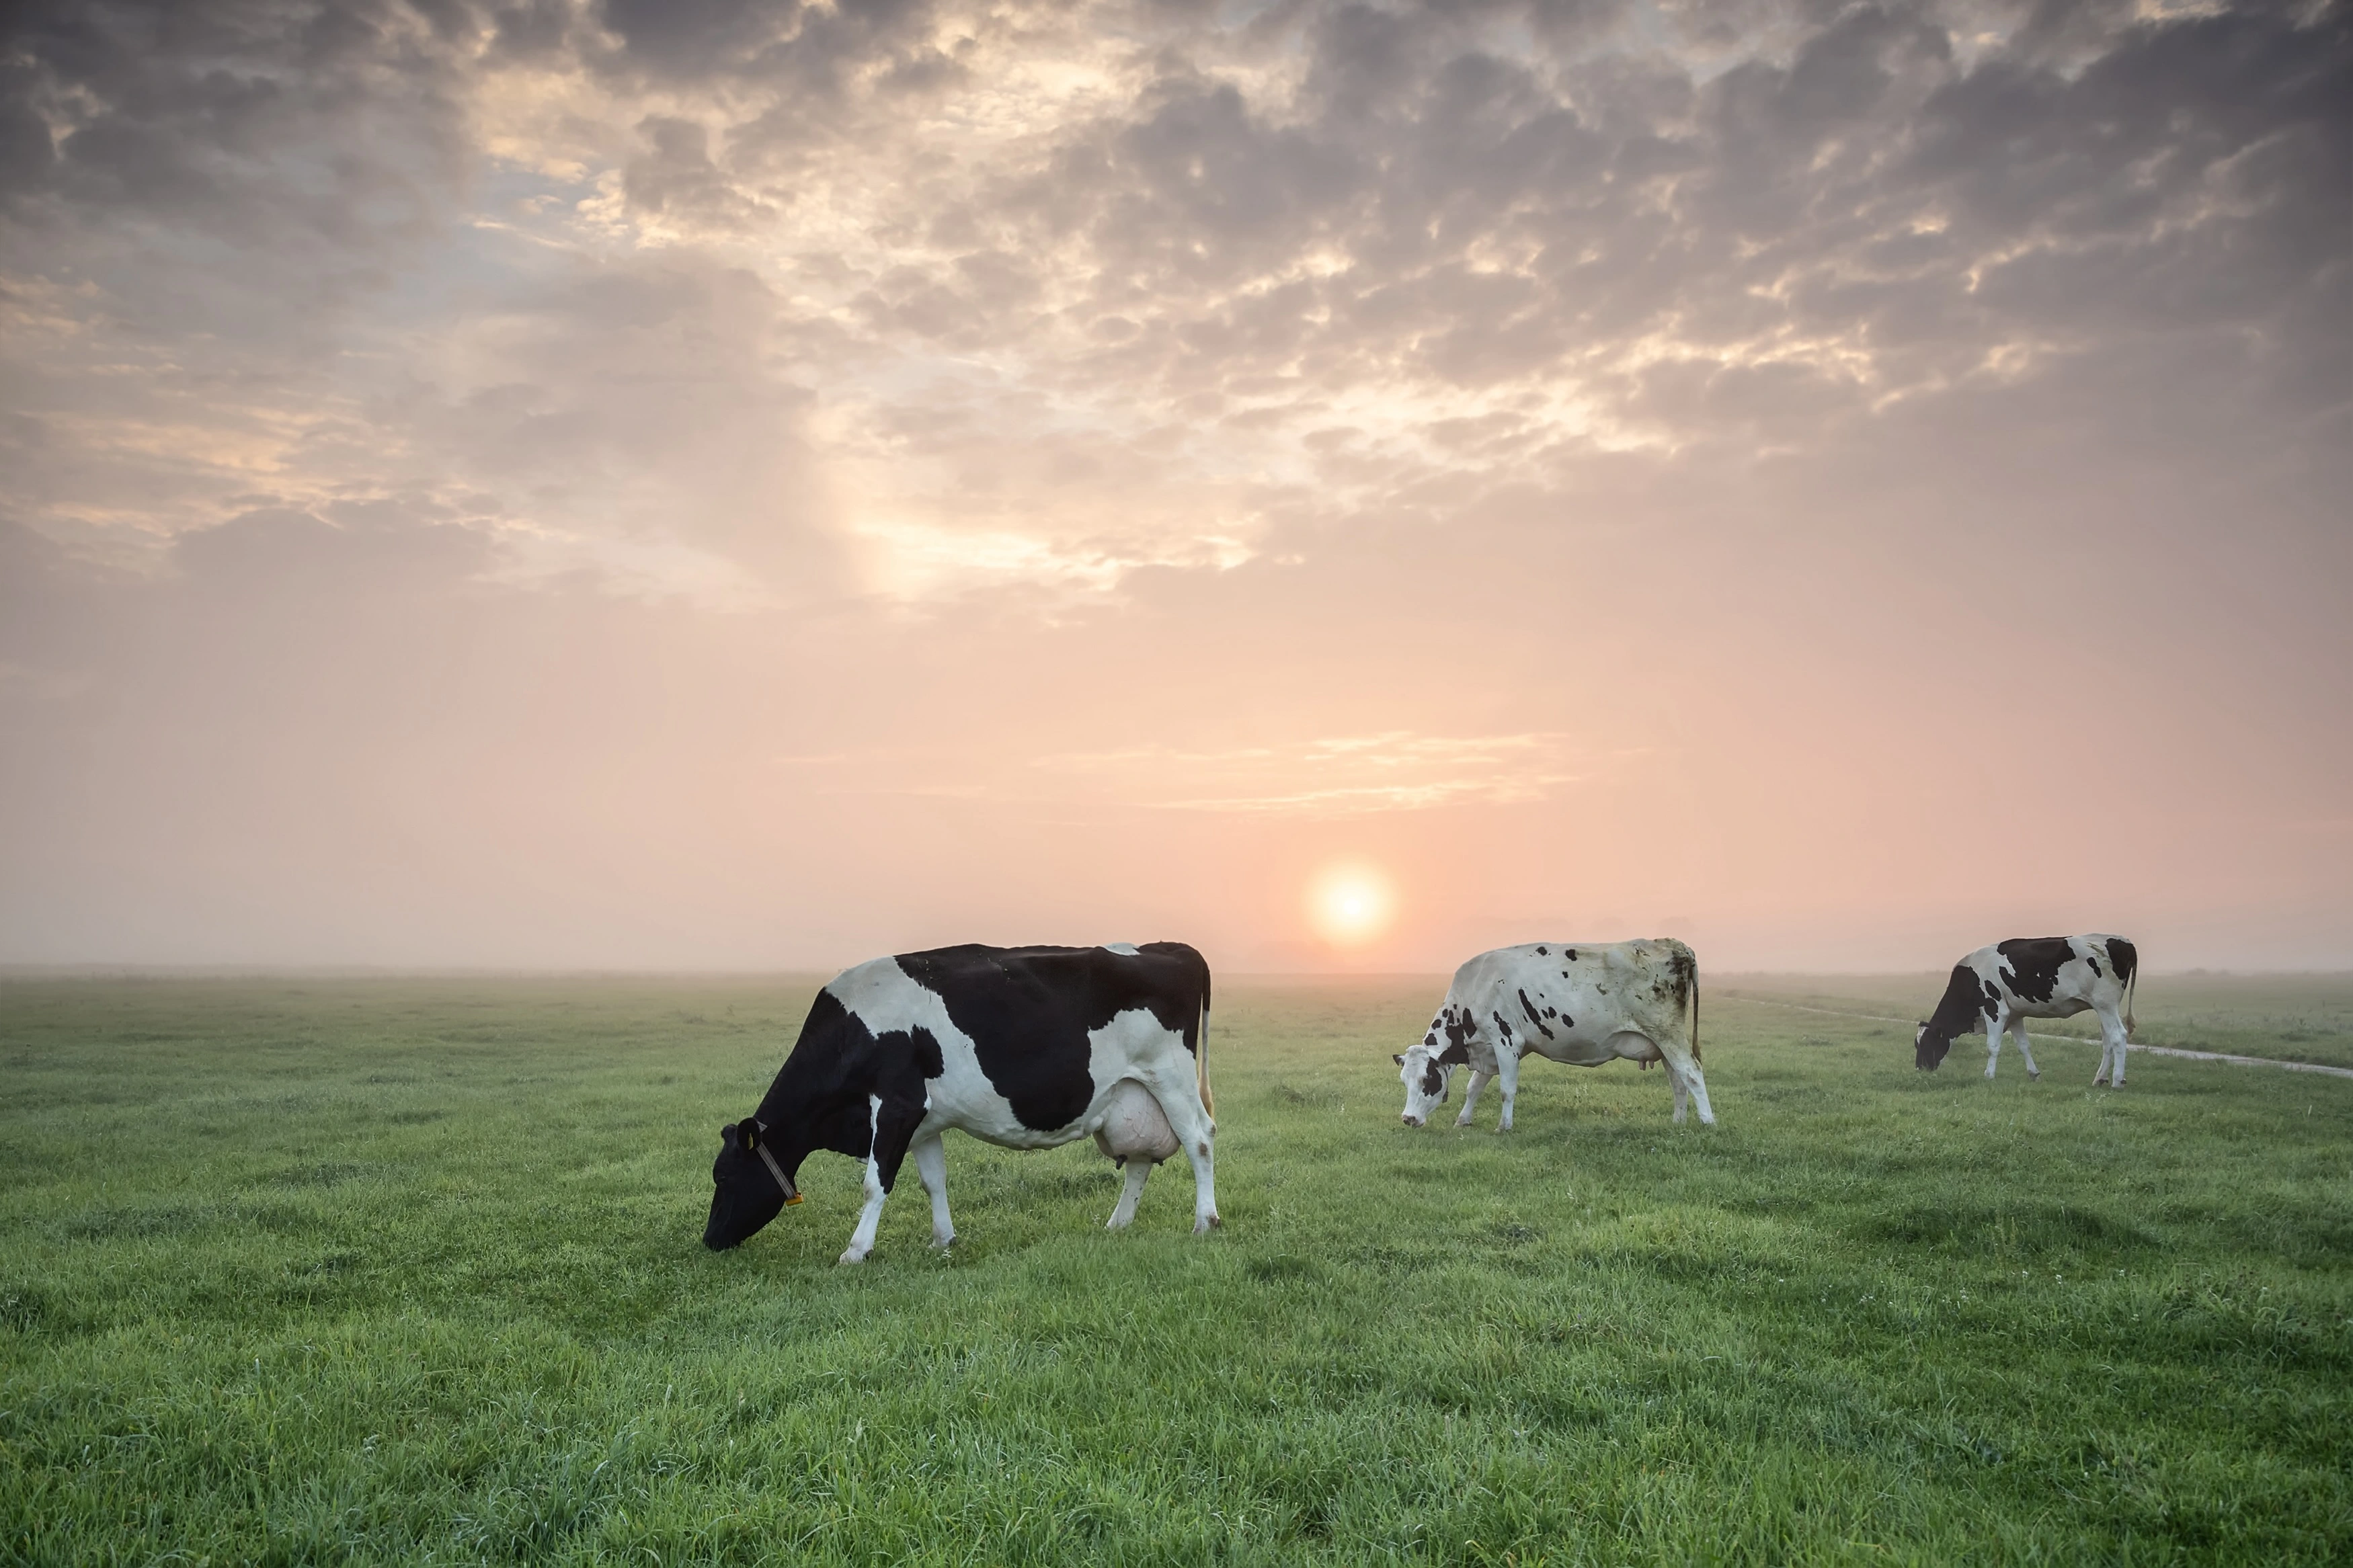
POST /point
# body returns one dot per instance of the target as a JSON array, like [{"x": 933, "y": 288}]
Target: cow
[
  {"x": 1582, "y": 1004},
  {"x": 2001, "y": 986},
  {"x": 1026, "y": 1047}
]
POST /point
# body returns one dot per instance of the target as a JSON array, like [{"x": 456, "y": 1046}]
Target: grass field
[
  {"x": 2295, "y": 1017},
  {"x": 408, "y": 1271}
]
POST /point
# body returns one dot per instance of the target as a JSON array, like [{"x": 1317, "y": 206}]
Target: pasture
[{"x": 372, "y": 1270}]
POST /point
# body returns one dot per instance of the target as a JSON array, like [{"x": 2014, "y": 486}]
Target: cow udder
[{"x": 1133, "y": 1126}]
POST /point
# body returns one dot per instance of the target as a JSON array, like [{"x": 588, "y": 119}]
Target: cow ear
[
  {"x": 747, "y": 1132},
  {"x": 727, "y": 1133},
  {"x": 1398, "y": 1060}
]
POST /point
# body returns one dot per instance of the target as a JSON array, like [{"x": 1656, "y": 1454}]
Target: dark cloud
[
  {"x": 675, "y": 176},
  {"x": 1873, "y": 198},
  {"x": 697, "y": 35},
  {"x": 817, "y": 57},
  {"x": 246, "y": 119}
]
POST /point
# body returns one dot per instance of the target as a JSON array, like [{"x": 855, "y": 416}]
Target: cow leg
[
  {"x": 1507, "y": 1079},
  {"x": 1198, "y": 1150},
  {"x": 931, "y": 1164},
  {"x": 1994, "y": 1028},
  {"x": 894, "y": 1127},
  {"x": 1138, "y": 1171},
  {"x": 1180, "y": 1102},
  {"x": 1470, "y": 1096},
  {"x": 861, "y": 1240},
  {"x": 2112, "y": 1049},
  {"x": 2018, "y": 1032},
  {"x": 1682, "y": 1072}
]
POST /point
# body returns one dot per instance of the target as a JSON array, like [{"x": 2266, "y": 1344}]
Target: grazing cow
[
  {"x": 2000, "y": 987},
  {"x": 1583, "y": 1006},
  {"x": 1026, "y": 1047}
]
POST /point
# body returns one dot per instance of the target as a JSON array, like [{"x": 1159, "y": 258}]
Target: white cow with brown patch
[{"x": 1581, "y": 1004}]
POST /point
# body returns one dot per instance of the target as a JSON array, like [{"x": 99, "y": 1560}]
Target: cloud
[
  {"x": 1345, "y": 254},
  {"x": 1340, "y": 775},
  {"x": 1325, "y": 777}
]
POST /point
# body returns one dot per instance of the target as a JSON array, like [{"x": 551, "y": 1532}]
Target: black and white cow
[
  {"x": 1027, "y": 1048},
  {"x": 1997, "y": 988},
  {"x": 1582, "y": 1004}
]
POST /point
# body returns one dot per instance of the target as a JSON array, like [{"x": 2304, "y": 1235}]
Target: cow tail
[
  {"x": 2131, "y": 985},
  {"x": 1201, "y": 1062},
  {"x": 1686, "y": 967},
  {"x": 1696, "y": 1012}
]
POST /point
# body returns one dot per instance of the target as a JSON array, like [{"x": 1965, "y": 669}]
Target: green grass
[{"x": 379, "y": 1270}]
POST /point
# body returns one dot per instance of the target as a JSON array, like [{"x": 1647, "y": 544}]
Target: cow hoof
[
  {"x": 853, "y": 1256},
  {"x": 2034, "y": 1078},
  {"x": 1204, "y": 1226},
  {"x": 944, "y": 1242}
]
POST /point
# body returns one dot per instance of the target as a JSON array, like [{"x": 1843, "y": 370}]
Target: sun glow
[{"x": 1350, "y": 904}]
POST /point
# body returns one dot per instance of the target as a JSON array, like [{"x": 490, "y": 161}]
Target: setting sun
[{"x": 1349, "y": 903}]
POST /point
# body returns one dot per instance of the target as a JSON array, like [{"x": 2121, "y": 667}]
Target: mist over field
[{"x": 758, "y": 485}]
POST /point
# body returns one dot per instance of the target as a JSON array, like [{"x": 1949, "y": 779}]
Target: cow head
[
  {"x": 748, "y": 1194},
  {"x": 1425, "y": 1077},
  {"x": 1929, "y": 1046}
]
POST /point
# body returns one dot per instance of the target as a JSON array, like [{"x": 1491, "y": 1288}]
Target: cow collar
[{"x": 792, "y": 1193}]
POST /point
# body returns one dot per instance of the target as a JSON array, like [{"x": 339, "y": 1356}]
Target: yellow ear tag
[{"x": 791, "y": 1201}]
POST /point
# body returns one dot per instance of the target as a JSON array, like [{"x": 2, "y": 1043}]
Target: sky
[{"x": 703, "y": 484}]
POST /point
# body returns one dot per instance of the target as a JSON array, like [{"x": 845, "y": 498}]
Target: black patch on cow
[
  {"x": 821, "y": 1091},
  {"x": 1572, "y": 955},
  {"x": 1432, "y": 1080},
  {"x": 1959, "y": 1008},
  {"x": 2032, "y": 963},
  {"x": 2125, "y": 956},
  {"x": 1029, "y": 1010},
  {"x": 1541, "y": 952},
  {"x": 1455, "y": 1054},
  {"x": 1534, "y": 1016},
  {"x": 1430, "y": 1039},
  {"x": 1461, "y": 1030},
  {"x": 924, "y": 1049},
  {"x": 1682, "y": 977}
]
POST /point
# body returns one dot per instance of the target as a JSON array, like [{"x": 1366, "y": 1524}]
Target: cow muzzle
[{"x": 1410, "y": 1120}]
